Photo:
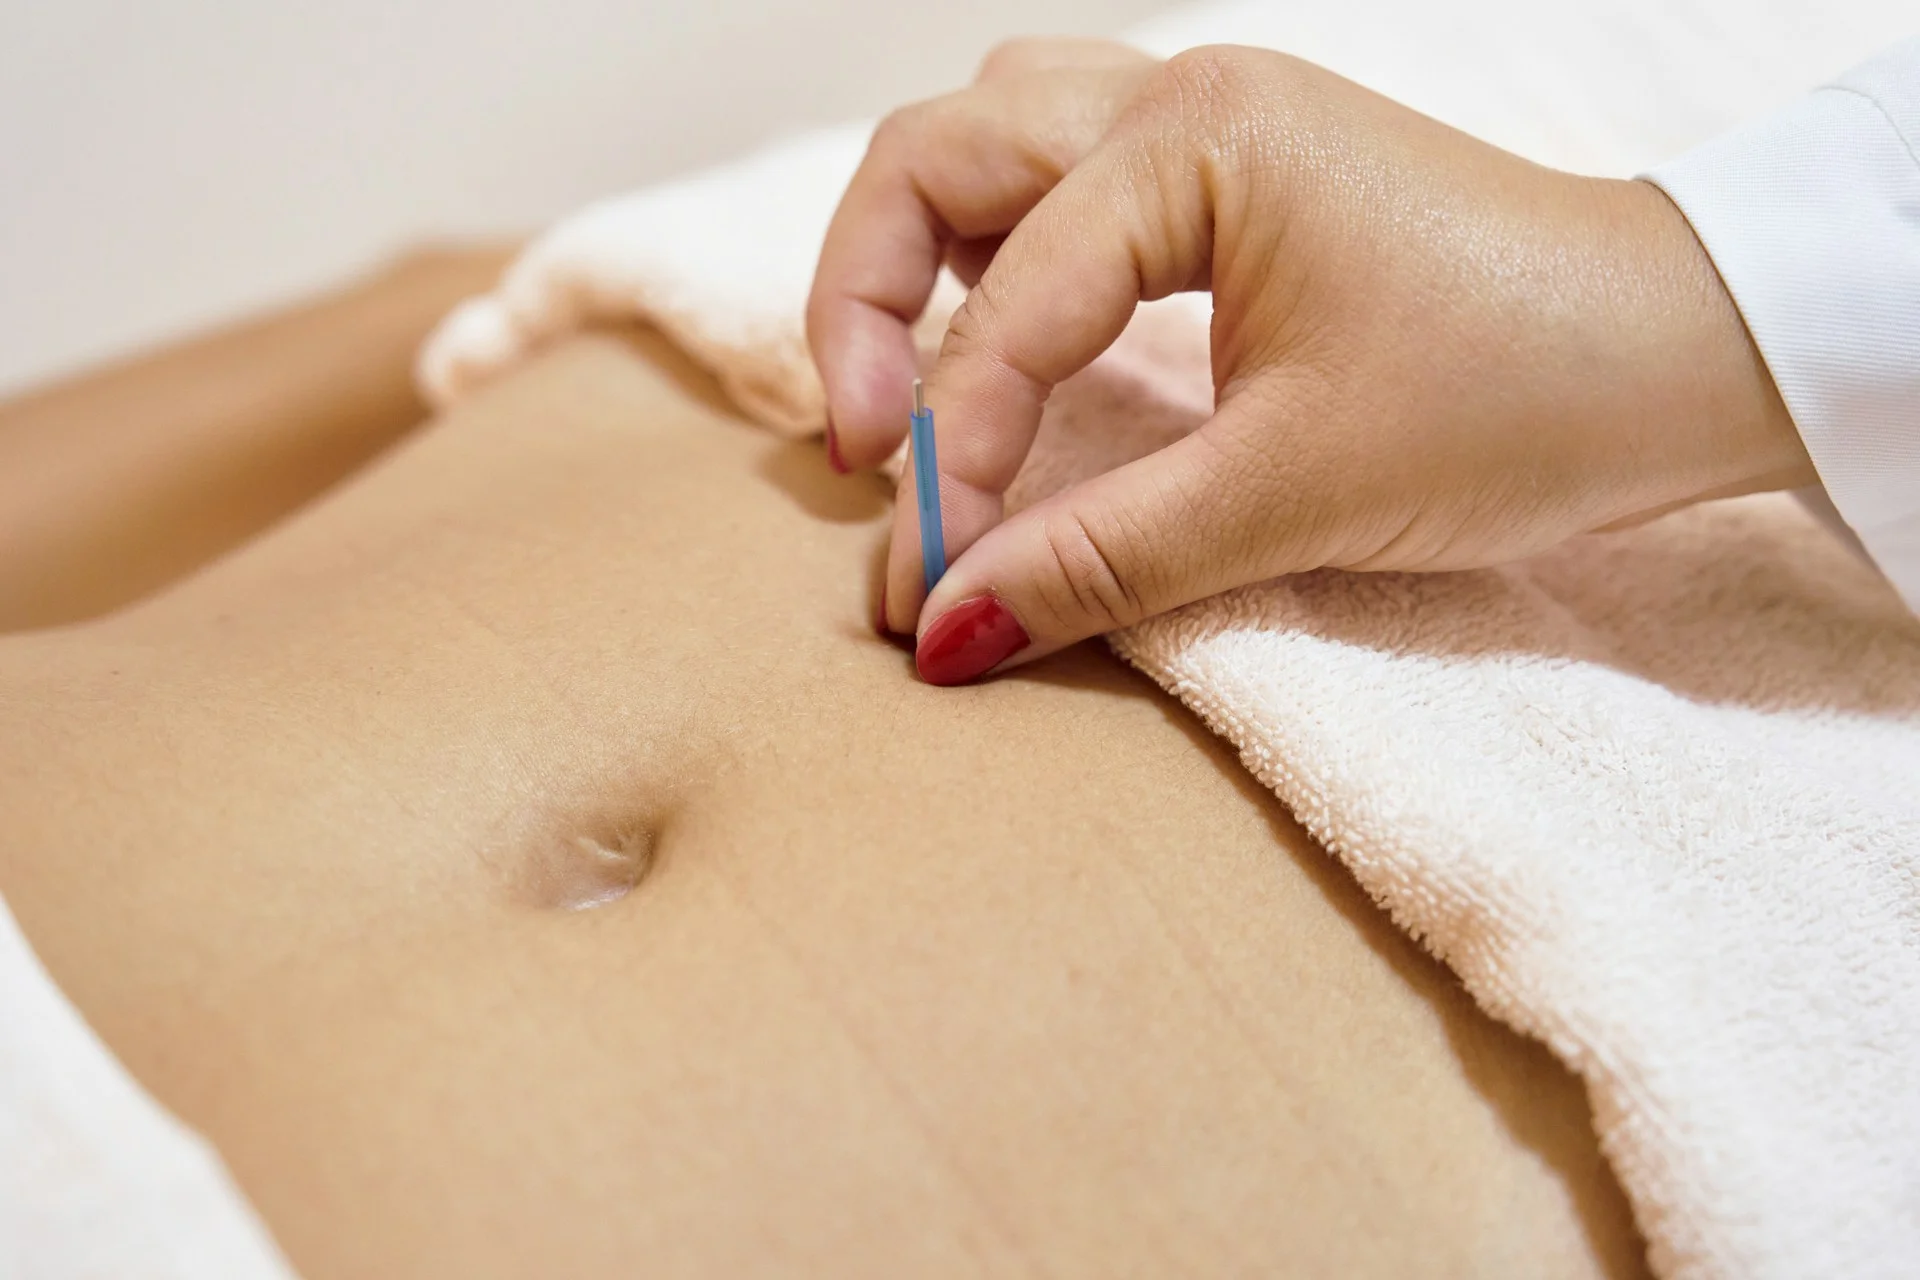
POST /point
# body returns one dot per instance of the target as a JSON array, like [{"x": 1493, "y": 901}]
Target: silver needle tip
[{"x": 919, "y": 398}]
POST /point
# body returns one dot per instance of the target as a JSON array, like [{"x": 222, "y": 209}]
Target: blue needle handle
[{"x": 926, "y": 487}]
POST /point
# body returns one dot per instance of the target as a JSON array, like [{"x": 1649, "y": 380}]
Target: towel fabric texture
[{"x": 1655, "y": 796}]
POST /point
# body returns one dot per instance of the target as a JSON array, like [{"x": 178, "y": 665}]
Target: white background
[{"x": 167, "y": 164}]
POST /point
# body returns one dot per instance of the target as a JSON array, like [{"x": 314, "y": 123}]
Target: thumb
[{"x": 1203, "y": 515}]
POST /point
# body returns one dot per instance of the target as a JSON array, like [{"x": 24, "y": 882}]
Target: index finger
[
  {"x": 963, "y": 167},
  {"x": 1128, "y": 224}
]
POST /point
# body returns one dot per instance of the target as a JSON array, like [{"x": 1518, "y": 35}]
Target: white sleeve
[{"x": 1813, "y": 218}]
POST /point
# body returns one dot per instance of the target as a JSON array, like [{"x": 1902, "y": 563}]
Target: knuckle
[
  {"x": 1204, "y": 69},
  {"x": 1198, "y": 84},
  {"x": 1222, "y": 101},
  {"x": 1087, "y": 582},
  {"x": 976, "y": 339},
  {"x": 1187, "y": 116},
  {"x": 899, "y": 130},
  {"x": 1009, "y": 57},
  {"x": 966, "y": 337}
]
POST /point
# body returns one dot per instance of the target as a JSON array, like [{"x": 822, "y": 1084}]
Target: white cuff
[{"x": 1812, "y": 217}]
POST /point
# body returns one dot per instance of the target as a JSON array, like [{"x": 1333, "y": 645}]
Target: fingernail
[
  {"x": 968, "y": 640},
  {"x": 834, "y": 459}
]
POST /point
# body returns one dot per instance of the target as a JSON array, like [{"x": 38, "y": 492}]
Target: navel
[{"x": 579, "y": 866}]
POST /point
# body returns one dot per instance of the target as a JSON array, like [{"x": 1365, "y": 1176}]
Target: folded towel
[{"x": 1655, "y": 796}]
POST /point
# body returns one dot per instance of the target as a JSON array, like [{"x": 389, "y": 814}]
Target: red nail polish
[
  {"x": 967, "y": 640},
  {"x": 834, "y": 459}
]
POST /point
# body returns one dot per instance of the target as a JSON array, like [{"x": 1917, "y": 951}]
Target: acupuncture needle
[{"x": 926, "y": 488}]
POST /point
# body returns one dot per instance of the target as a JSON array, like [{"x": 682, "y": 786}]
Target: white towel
[
  {"x": 97, "y": 1180},
  {"x": 1654, "y": 796}
]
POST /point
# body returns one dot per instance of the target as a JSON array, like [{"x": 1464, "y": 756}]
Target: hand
[
  {"x": 945, "y": 181},
  {"x": 1428, "y": 354}
]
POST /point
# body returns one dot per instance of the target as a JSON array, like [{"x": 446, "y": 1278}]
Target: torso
[{"x": 1023, "y": 978}]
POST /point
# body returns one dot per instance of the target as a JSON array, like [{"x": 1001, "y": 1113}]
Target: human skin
[
  {"x": 1428, "y": 353},
  {"x": 1027, "y": 979},
  {"x": 116, "y": 482}
]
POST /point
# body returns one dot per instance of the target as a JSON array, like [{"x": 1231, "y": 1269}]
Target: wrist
[{"x": 1709, "y": 420}]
